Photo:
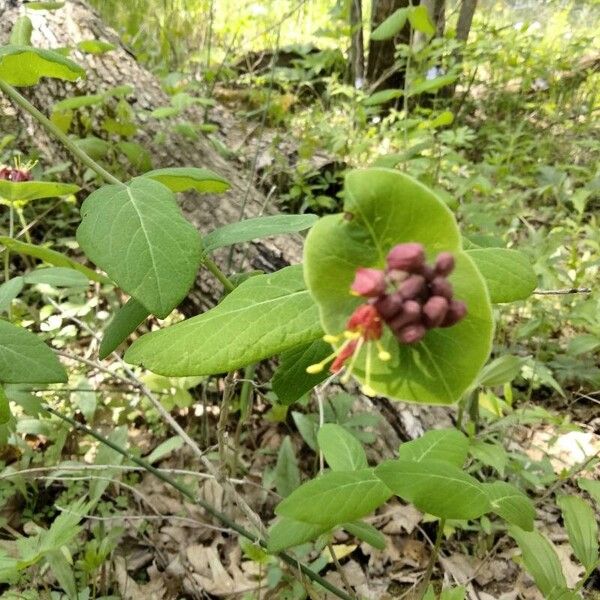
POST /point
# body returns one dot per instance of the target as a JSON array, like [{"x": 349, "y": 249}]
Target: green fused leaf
[
  {"x": 342, "y": 451},
  {"x": 45, "y": 5},
  {"x": 183, "y": 179},
  {"x": 340, "y": 497},
  {"x": 262, "y": 317},
  {"x": 419, "y": 19},
  {"x": 382, "y": 97},
  {"x": 78, "y": 102},
  {"x": 52, "y": 258},
  {"x": 5, "y": 413},
  {"x": 20, "y": 34},
  {"x": 384, "y": 208},
  {"x": 95, "y": 46},
  {"x": 366, "y": 533},
  {"x": 500, "y": 371},
  {"x": 57, "y": 277},
  {"x": 25, "y": 191},
  {"x": 541, "y": 560},
  {"x": 582, "y": 529},
  {"x": 449, "y": 445},
  {"x": 287, "y": 533},
  {"x": 428, "y": 86},
  {"x": 391, "y": 26},
  {"x": 24, "y": 358},
  {"x": 137, "y": 234},
  {"x": 436, "y": 487},
  {"x": 9, "y": 291},
  {"x": 492, "y": 455},
  {"x": 24, "y": 65},
  {"x": 258, "y": 228},
  {"x": 286, "y": 476},
  {"x": 591, "y": 486},
  {"x": 124, "y": 322},
  {"x": 511, "y": 504},
  {"x": 291, "y": 381},
  {"x": 508, "y": 274}
]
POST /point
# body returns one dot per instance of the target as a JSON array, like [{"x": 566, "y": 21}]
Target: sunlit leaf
[
  {"x": 183, "y": 179},
  {"x": 449, "y": 445},
  {"x": 342, "y": 451},
  {"x": 25, "y": 191},
  {"x": 124, "y": 322},
  {"x": 95, "y": 46},
  {"x": 391, "y": 26},
  {"x": 582, "y": 528},
  {"x": 511, "y": 504}
]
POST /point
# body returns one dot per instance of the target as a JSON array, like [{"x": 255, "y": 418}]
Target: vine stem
[
  {"x": 23, "y": 103},
  {"x": 185, "y": 491},
  {"x": 434, "y": 555}
]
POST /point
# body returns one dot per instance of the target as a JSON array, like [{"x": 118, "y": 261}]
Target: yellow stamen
[
  {"x": 314, "y": 369},
  {"x": 368, "y": 391},
  {"x": 368, "y": 369},
  {"x": 346, "y": 376},
  {"x": 331, "y": 339},
  {"x": 353, "y": 293},
  {"x": 351, "y": 335},
  {"x": 383, "y": 354}
]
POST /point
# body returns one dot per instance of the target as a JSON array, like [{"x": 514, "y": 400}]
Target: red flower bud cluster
[
  {"x": 14, "y": 174},
  {"x": 411, "y": 296}
]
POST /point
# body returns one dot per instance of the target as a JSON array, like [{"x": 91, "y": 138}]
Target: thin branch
[{"x": 563, "y": 292}]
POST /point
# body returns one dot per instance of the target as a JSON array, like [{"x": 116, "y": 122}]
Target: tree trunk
[
  {"x": 382, "y": 72},
  {"x": 357, "y": 49},
  {"x": 465, "y": 19},
  {"x": 76, "y": 22}
]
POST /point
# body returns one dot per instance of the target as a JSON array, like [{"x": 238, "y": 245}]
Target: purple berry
[
  {"x": 440, "y": 286},
  {"x": 427, "y": 272},
  {"x": 411, "y": 313},
  {"x": 444, "y": 264},
  {"x": 434, "y": 311},
  {"x": 457, "y": 311},
  {"x": 369, "y": 282},
  {"x": 389, "y": 306},
  {"x": 406, "y": 257},
  {"x": 412, "y": 287},
  {"x": 411, "y": 334}
]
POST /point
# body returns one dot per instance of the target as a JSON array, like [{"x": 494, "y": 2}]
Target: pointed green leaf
[
  {"x": 342, "y": 451},
  {"x": 52, "y": 257},
  {"x": 76, "y": 102},
  {"x": 508, "y": 274},
  {"x": 384, "y": 208},
  {"x": 500, "y": 371},
  {"x": 258, "y": 228},
  {"x": 340, "y": 497},
  {"x": 511, "y": 504},
  {"x": 263, "y": 316},
  {"x": 20, "y": 34},
  {"x": 56, "y": 277},
  {"x": 137, "y": 234},
  {"x": 419, "y": 19},
  {"x": 45, "y": 5},
  {"x": 366, "y": 533},
  {"x": 449, "y": 445},
  {"x": 24, "y": 65},
  {"x": 591, "y": 486},
  {"x": 24, "y": 358},
  {"x": 5, "y": 413},
  {"x": 428, "y": 86},
  {"x": 436, "y": 487},
  {"x": 291, "y": 381},
  {"x": 287, "y": 533},
  {"x": 25, "y": 191},
  {"x": 94, "y": 146},
  {"x": 391, "y": 26},
  {"x": 541, "y": 561},
  {"x": 9, "y": 291},
  {"x": 183, "y": 179},
  {"x": 287, "y": 474},
  {"x": 582, "y": 528},
  {"x": 124, "y": 322},
  {"x": 95, "y": 46},
  {"x": 382, "y": 97},
  {"x": 491, "y": 455}
]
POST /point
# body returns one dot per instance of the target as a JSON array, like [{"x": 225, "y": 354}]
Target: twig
[
  {"x": 563, "y": 292},
  {"x": 339, "y": 569}
]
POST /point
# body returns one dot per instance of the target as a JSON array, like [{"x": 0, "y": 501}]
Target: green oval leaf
[
  {"x": 182, "y": 179},
  {"x": 97, "y": 148},
  {"x": 382, "y": 97},
  {"x": 95, "y": 46},
  {"x": 449, "y": 445},
  {"x": 57, "y": 277},
  {"x": 342, "y": 451},
  {"x": 137, "y": 234},
  {"x": 391, "y": 26},
  {"x": 287, "y": 533},
  {"x": 265, "y": 315},
  {"x": 20, "y": 34},
  {"x": 24, "y": 191},
  {"x": 590, "y": 486},
  {"x": 500, "y": 371},
  {"x": 45, "y": 5},
  {"x": 258, "y": 228},
  {"x": 419, "y": 19},
  {"x": 582, "y": 528},
  {"x": 384, "y": 208},
  {"x": 77, "y": 102},
  {"x": 24, "y": 358},
  {"x": 5, "y": 413},
  {"x": 124, "y": 322},
  {"x": 507, "y": 273},
  {"x": 435, "y": 487},
  {"x": 9, "y": 291},
  {"x": 511, "y": 504},
  {"x": 24, "y": 65},
  {"x": 367, "y": 533},
  {"x": 341, "y": 497},
  {"x": 52, "y": 257}
]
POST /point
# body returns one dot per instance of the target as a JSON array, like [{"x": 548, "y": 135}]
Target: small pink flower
[
  {"x": 406, "y": 257},
  {"x": 369, "y": 283}
]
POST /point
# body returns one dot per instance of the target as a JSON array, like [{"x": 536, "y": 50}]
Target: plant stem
[
  {"x": 185, "y": 491},
  {"x": 211, "y": 265},
  {"x": 433, "y": 559},
  {"x": 23, "y": 103}
]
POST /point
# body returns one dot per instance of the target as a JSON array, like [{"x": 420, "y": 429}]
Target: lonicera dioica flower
[
  {"x": 409, "y": 296},
  {"x": 17, "y": 173}
]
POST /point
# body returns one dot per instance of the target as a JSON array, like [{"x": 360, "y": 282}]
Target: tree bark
[
  {"x": 465, "y": 19},
  {"x": 357, "y": 49},
  {"x": 381, "y": 70},
  {"x": 76, "y": 22}
]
